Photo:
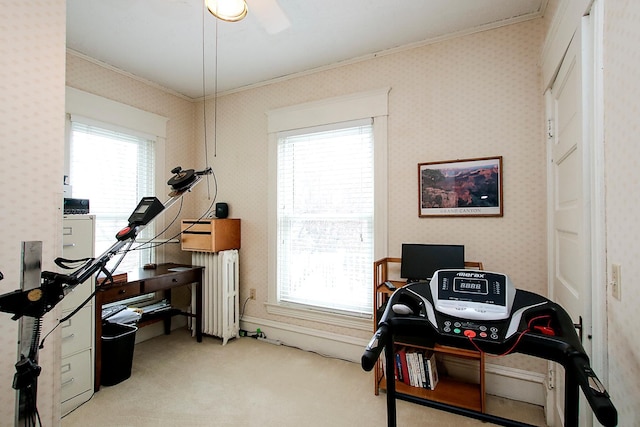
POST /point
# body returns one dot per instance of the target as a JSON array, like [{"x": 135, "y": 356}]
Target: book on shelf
[
  {"x": 403, "y": 368},
  {"x": 418, "y": 378},
  {"x": 416, "y": 368},
  {"x": 431, "y": 369},
  {"x": 411, "y": 369},
  {"x": 424, "y": 383},
  {"x": 406, "y": 378}
]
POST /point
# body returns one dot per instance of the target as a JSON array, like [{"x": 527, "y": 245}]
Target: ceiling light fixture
[{"x": 227, "y": 10}]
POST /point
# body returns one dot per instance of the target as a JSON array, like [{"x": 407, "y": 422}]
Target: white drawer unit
[
  {"x": 77, "y": 333},
  {"x": 74, "y": 381}
]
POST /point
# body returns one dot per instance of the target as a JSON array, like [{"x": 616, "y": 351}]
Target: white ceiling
[{"x": 171, "y": 42}]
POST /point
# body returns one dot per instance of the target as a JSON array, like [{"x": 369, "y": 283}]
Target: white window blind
[
  {"x": 325, "y": 217},
  {"x": 114, "y": 170}
]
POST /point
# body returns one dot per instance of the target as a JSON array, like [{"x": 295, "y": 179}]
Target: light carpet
[{"x": 176, "y": 381}]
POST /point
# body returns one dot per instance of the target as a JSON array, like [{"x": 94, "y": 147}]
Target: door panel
[
  {"x": 571, "y": 250},
  {"x": 570, "y": 236}
]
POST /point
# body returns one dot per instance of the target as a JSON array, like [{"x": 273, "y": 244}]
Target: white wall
[
  {"x": 32, "y": 80},
  {"x": 179, "y": 150},
  {"x": 622, "y": 153},
  {"x": 32, "y": 48},
  {"x": 478, "y": 95},
  {"x": 474, "y": 96}
]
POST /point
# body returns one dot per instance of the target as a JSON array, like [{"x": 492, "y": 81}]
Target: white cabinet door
[
  {"x": 78, "y": 332},
  {"x": 78, "y": 243}
]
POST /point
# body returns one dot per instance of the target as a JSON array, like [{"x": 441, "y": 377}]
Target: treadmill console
[
  {"x": 473, "y": 304},
  {"x": 472, "y": 295},
  {"x": 465, "y": 304}
]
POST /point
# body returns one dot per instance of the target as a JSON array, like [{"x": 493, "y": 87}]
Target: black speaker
[{"x": 222, "y": 210}]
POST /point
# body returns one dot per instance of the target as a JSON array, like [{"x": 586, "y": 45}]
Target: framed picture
[{"x": 471, "y": 187}]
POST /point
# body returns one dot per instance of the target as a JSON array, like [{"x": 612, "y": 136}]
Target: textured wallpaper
[
  {"x": 32, "y": 48},
  {"x": 622, "y": 153},
  {"x": 474, "y": 96},
  {"x": 469, "y": 97},
  {"x": 179, "y": 147}
]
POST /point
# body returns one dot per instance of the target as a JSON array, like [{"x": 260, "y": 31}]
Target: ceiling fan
[{"x": 267, "y": 12}]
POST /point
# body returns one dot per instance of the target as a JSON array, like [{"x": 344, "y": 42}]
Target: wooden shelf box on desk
[
  {"x": 210, "y": 235},
  {"x": 118, "y": 278}
]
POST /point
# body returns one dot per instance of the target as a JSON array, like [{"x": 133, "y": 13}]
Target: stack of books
[{"x": 416, "y": 367}]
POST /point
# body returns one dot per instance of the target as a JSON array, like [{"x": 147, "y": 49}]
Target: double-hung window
[
  {"x": 325, "y": 217},
  {"x": 328, "y": 207},
  {"x": 111, "y": 157},
  {"x": 114, "y": 170}
]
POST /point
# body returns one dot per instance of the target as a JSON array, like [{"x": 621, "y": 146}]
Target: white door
[{"x": 570, "y": 257}]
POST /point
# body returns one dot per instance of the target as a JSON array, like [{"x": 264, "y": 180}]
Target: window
[
  {"x": 114, "y": 170},
  {"x": 325, "y": 217},
  {"x": 111, "y": 154},
  {"x": 327, "y": 207}
]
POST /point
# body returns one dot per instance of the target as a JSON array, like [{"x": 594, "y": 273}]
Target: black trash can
[{"x": 118, "y": 342}]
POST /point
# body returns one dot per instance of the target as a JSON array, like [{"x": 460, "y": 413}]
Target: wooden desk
[{"x": 163, "y": 278}]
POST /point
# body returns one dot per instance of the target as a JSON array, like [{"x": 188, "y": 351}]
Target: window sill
[{"x": 316, "y": 315}]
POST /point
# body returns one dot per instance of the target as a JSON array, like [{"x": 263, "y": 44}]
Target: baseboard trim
[
  {"x": 515, "y": 384},
  {"x": 321, "y": 342},
  {"x": 511, "y": 383}
]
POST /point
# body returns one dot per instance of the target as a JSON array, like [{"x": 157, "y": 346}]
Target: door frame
[
  {"x": 594, "y": 29},
  {"x": 590, "y": 22}
]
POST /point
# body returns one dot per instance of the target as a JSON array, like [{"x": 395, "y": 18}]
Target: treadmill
[{"x": 482, "y": 310}]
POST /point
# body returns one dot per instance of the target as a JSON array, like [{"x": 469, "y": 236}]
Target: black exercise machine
[
  {"x": 481, "y": 310},
  {"x": 38, "y": 301}
]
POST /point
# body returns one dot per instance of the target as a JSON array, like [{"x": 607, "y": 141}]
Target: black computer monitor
[{"x": 420, "y": 261}]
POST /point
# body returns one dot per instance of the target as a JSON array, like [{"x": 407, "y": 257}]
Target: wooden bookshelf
[{"x": 449, "y": 390}]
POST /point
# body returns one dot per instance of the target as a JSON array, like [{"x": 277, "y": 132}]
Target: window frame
[
  {"x": 371, "y": 104},
  {"x": 121, "y": 189},
  {"x": 93, "y": 109}
]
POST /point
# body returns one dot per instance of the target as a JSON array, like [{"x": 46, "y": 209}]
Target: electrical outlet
[
  {"x": 252, "y": 293},
  {"x": 616, "y": 281}
]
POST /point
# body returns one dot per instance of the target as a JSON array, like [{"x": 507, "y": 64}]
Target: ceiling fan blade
[{"x": 270, "y": 15}]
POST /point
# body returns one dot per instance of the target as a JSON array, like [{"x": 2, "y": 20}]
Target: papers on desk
[
  {"x": 133, "y": 314},
  {"x": 127, "y": 316},
  {"x": 156, "y": 307},
  {"x": 179, "y": 268}
]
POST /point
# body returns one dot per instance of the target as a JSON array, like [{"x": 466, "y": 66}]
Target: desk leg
[
  {"x": 199, "y": 310},
  {"x": 97, "y": 369},
  {"x": 167, "y": 319}
]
